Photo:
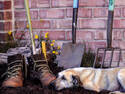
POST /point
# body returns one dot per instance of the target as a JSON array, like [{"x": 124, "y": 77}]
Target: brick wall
[
  {"x": 5, "y": 18},
  {"x": 55, "y": 17}
]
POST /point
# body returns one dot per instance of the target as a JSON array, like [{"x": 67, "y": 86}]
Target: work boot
[
  {"x": 14, "y": 74},
  {"x": 45, "y": 75}
]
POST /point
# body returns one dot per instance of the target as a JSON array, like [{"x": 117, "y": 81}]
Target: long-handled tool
[
  {"x": 71, "y": 53},
  {"x": 109, "y": 38},
  {"x": 30, "y": 26}
]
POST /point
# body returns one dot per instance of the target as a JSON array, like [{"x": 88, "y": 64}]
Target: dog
[{"x": 92, "y": 79}]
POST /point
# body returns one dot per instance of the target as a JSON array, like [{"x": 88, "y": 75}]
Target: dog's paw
[{"x": 117, "y": 92}]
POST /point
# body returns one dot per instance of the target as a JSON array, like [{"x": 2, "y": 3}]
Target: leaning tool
[
  {"x": 109, "y": 47},
  {"x": 30, "y": 25},
  {"x": 44, "y": 49},
  {"x": 71, "y": 53}
]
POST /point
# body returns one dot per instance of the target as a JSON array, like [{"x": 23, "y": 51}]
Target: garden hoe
[
  {"x": 40, "y": 64},
  {"x": 30, "y": 26},
  {"x": 109, "y": 39},
  {"x": 71, "y": 53}
]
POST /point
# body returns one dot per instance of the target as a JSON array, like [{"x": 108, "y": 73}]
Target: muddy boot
[
  {"x": 14, "y": 74},
  {"x": 45, "y": 75}
]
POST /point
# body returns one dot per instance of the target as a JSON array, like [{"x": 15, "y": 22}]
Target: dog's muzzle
[{"x": 52, "y": 85}]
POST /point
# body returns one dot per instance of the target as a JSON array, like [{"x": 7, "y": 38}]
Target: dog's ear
[{"x": 76, "y": 80}]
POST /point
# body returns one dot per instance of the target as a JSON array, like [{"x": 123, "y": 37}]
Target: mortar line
[
  {"x": 5, "y": 20},
  {"x": 64, "y": 7},
  {"x": 80, "y": 18},
  {"x": 6, "y": 10}
]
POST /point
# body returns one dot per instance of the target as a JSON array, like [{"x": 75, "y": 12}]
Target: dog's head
[{"x": 66, "y": 79}]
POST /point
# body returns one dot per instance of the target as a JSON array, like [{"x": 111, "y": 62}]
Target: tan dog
[{"x": 91, "y": 79}]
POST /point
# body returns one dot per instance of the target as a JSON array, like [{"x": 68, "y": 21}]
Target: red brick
[
  {"x": 18, "y": 34},
  {"x": 81, "y": 35},
  {"x": 22, "y": 14},
  {"x": 52, "y": 13},
  {"x": 20, "y": 24},
  {"x": 44, "y": 24},
  {"x": 100, "y": 34},
  {"x": 123, "y": 56},
  {"x": 3, "y": 37},
  {"x": 103, "y": 12},
  {"x": 108, "y": 56},
  {"x": 55, "y": 34},
  {"x": 1, "y": 26},
  {"x": 43, "y": 3},
  {"x": 62, "y": 24},
  {"x": 62, "y": 3},
  {"x": 85, "y": 12},
  {"x": 93, "y": 3},
  {"x": 124, "y": 34},
  {"x": 82, "y": 12},
  {"x": 7, "y": 4},
  {"x": 100, "y": 12},
  {"x": 8, "y": 26},
  {"x": 69, "y": 12},
  {"x": 8, "y": 15},
  {"x": 117, "y": 34},
  {"x": 34, "y": 14},
  {"x": 33, "y": 3},
  {"x": 68, "y": 34},
  {"x": 123, "y": 12},
  {"x": 84, "y": 35},
  {"x": 1, "y": 15},
  {"x": 119, "y": 43},
  {"x": 94, "y": 45},
  {"x": 120, "y": 2},
  {"x": 119, "y": 23},
  {"x": 22, "y": 35},
  {"x": 114, "y": 59},
  {"x": 117, "y": 12},
  {"x": 19, "y": 3},
  {"x": 1, "y": 5},
  {"x": 116, "y": 56},
  {"x": 122, "y": 44},
  {"x": 115, "y": 43},
  {"x": 92, "y": 23}
]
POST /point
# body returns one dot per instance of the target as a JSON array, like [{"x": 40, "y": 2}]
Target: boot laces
[
  {"x": 13, "y": 69},
  {"x": 40, "y": 67}
]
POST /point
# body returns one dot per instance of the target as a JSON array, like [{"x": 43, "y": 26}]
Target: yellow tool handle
[
  {"x": 44, "y": 49},
  {"x": 30, "y": 25}
]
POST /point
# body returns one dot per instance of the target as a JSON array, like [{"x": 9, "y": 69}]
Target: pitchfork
[{"x": 109, "y": 47}]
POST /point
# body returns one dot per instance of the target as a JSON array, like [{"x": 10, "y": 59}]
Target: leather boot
[
  {"x": 14, "y": 74},
  {"x": 45, "y": 75}
]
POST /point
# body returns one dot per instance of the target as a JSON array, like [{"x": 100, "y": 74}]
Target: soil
[{"x": 33, "y": 86}]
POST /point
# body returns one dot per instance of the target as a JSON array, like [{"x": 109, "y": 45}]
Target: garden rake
[{"x": 109, "y": 40}]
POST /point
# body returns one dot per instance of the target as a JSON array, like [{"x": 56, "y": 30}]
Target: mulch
[{"x": 33, "y": 86}]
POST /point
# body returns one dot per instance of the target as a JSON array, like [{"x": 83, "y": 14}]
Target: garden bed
[{"x": 33, "y": 86}]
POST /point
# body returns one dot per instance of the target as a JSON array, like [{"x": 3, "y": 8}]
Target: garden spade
[{"x": 71, "y": 53}]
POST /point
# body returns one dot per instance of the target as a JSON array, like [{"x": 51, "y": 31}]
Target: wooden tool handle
[
  {"x": 74, "y": 21},
  {"x": 110, "y": 23},
  {"x": 30, "y": 26}
]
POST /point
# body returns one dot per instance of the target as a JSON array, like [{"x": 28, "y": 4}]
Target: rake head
[{"x": 105, "y": 50}]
